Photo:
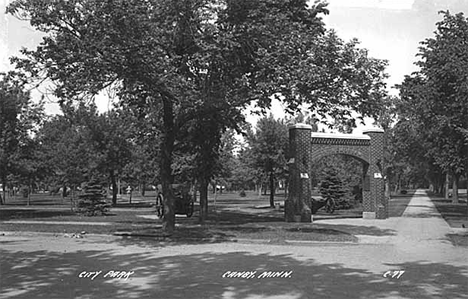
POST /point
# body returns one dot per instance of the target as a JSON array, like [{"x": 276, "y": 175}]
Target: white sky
[
  {"x": 382, "y": 4},
  {"x": 389, "y": 29}
]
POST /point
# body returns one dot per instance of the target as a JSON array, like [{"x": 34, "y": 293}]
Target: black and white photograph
[{"x": 233, "y": 149}]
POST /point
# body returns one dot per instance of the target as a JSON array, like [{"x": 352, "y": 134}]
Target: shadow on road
[{"x": 44, "y": 274}]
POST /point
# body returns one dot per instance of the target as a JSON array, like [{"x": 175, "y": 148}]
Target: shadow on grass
[
  {"x": 134, "y": 205},
  {"x": 327, "y": 231},
  {"x": 323, "y": 216},
  {"x": 397, "y": 205},
  {"x": 180, "y": 235},
  {"x": 422, "y": 215},
  {"x": 239, "y": 217},
  {"x": 39, "y": 200},
  {"x": 55, "y": 274},
  {"x": 361, "y": 230},
  {"x": 455, "y": 214},
  {"x": 458, "y": 239},
  {"x": 16, "y": 214}
]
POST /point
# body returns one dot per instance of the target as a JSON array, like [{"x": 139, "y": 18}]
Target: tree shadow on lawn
[
  {"x": 47, "y": 274},
  {"x": 156, "y": 237},
  {"x": 39, "y": 200},
  {"x": 320, "y": 228},
  {"x": 455, "y": 214},
  {"x": 113, "y": 215},
  {"x": 231, "y": 219},
  {"x": 360, "y": 229},
  {"x": 398, "y": 205},
  {"x": 223, "y": 217},
  {"x": 18, "y": 214},
  {"x": 135, "y": 205},
  {"x": 422, "y": 215}
]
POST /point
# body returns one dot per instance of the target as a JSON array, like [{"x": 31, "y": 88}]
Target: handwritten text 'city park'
[
  {"x": 110, "y": 274},
  {"x": 253, "y": 274}
]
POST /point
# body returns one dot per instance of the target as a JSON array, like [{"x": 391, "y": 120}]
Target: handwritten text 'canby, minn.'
[{"x": 253, "y": 274}]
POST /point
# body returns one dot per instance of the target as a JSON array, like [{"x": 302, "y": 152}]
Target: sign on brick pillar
[
  {"x": 378, "y": 202},
  {"x": 297, "y": 205}
]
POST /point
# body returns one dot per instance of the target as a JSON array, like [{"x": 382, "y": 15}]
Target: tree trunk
[
  {"x": 272, "y": 190},
  {"x": 29, "y": 193},
  {"x": 203, "y": 200},
  {"x": 115, "y": 187},
  {"x": 64, "y": 190},
  {"x": 142, "y": 188},
  {"x": 387, "y": 188},
  {"x": 193, "y": 190},
  {"x": 447, "y": 186},
  {"x": 440, "y": 184},
  {"x": 3, "y": 200},
  {"x": 456, "y": 178},
  {"x": 398, "y": 188},
  {"x": 286, "y": 187},
  {"x": 167, "y": 147}
]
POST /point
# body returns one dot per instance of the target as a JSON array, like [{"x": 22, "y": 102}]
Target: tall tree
[
  {"x": 111, "y": 135},
  {"x": 65, "y": 143},
  {"x": 436, "y": 97},
  {"x": 19, "y": 117},
  {"x": 269, "y": 146}
]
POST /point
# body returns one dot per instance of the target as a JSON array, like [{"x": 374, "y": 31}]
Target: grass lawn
[
  {"x": 459, "y": 240},
  {"x": 397, "y": 205},
  {"x": 230, "y": 217},
  {"x": 455, "y": 214}
]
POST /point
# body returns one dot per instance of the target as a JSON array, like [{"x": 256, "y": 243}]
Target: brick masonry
[
  {"x": 297, "y": 206},
  {"x": 307, "y": 147},
  {"x": 377, "y": 202}
]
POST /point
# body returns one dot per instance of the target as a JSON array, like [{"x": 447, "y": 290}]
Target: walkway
[{"x": 423, "y": 231}]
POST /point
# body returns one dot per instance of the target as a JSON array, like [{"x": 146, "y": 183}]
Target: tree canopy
[
  {"x": 434, "y": 100},
  {"x": 19, "y": 118},
  {"x": 188, "y": 58}
]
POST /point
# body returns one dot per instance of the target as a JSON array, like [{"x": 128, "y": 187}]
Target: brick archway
[{"x": 307, "y": 147}]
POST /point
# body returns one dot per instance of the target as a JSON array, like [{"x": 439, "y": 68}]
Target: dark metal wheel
[{"x": 160, "y": 205}]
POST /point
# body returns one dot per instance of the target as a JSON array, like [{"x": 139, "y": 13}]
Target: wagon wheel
[
  {"x": 330, "y": 207},
  {"x": 159, "y": 205},
  {"x": 190, "y": 209}
]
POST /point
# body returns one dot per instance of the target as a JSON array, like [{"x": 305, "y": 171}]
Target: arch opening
[{"x": 342, "y": 176}]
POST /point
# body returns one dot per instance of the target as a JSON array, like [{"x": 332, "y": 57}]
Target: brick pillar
[
  {"x": 377, "y": 205},
  {"x": 297, "y": 205},
  {"x": 368, "y": 205}
]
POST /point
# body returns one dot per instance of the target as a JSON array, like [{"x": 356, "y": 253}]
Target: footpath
[{"x": 407, "y": 257}]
